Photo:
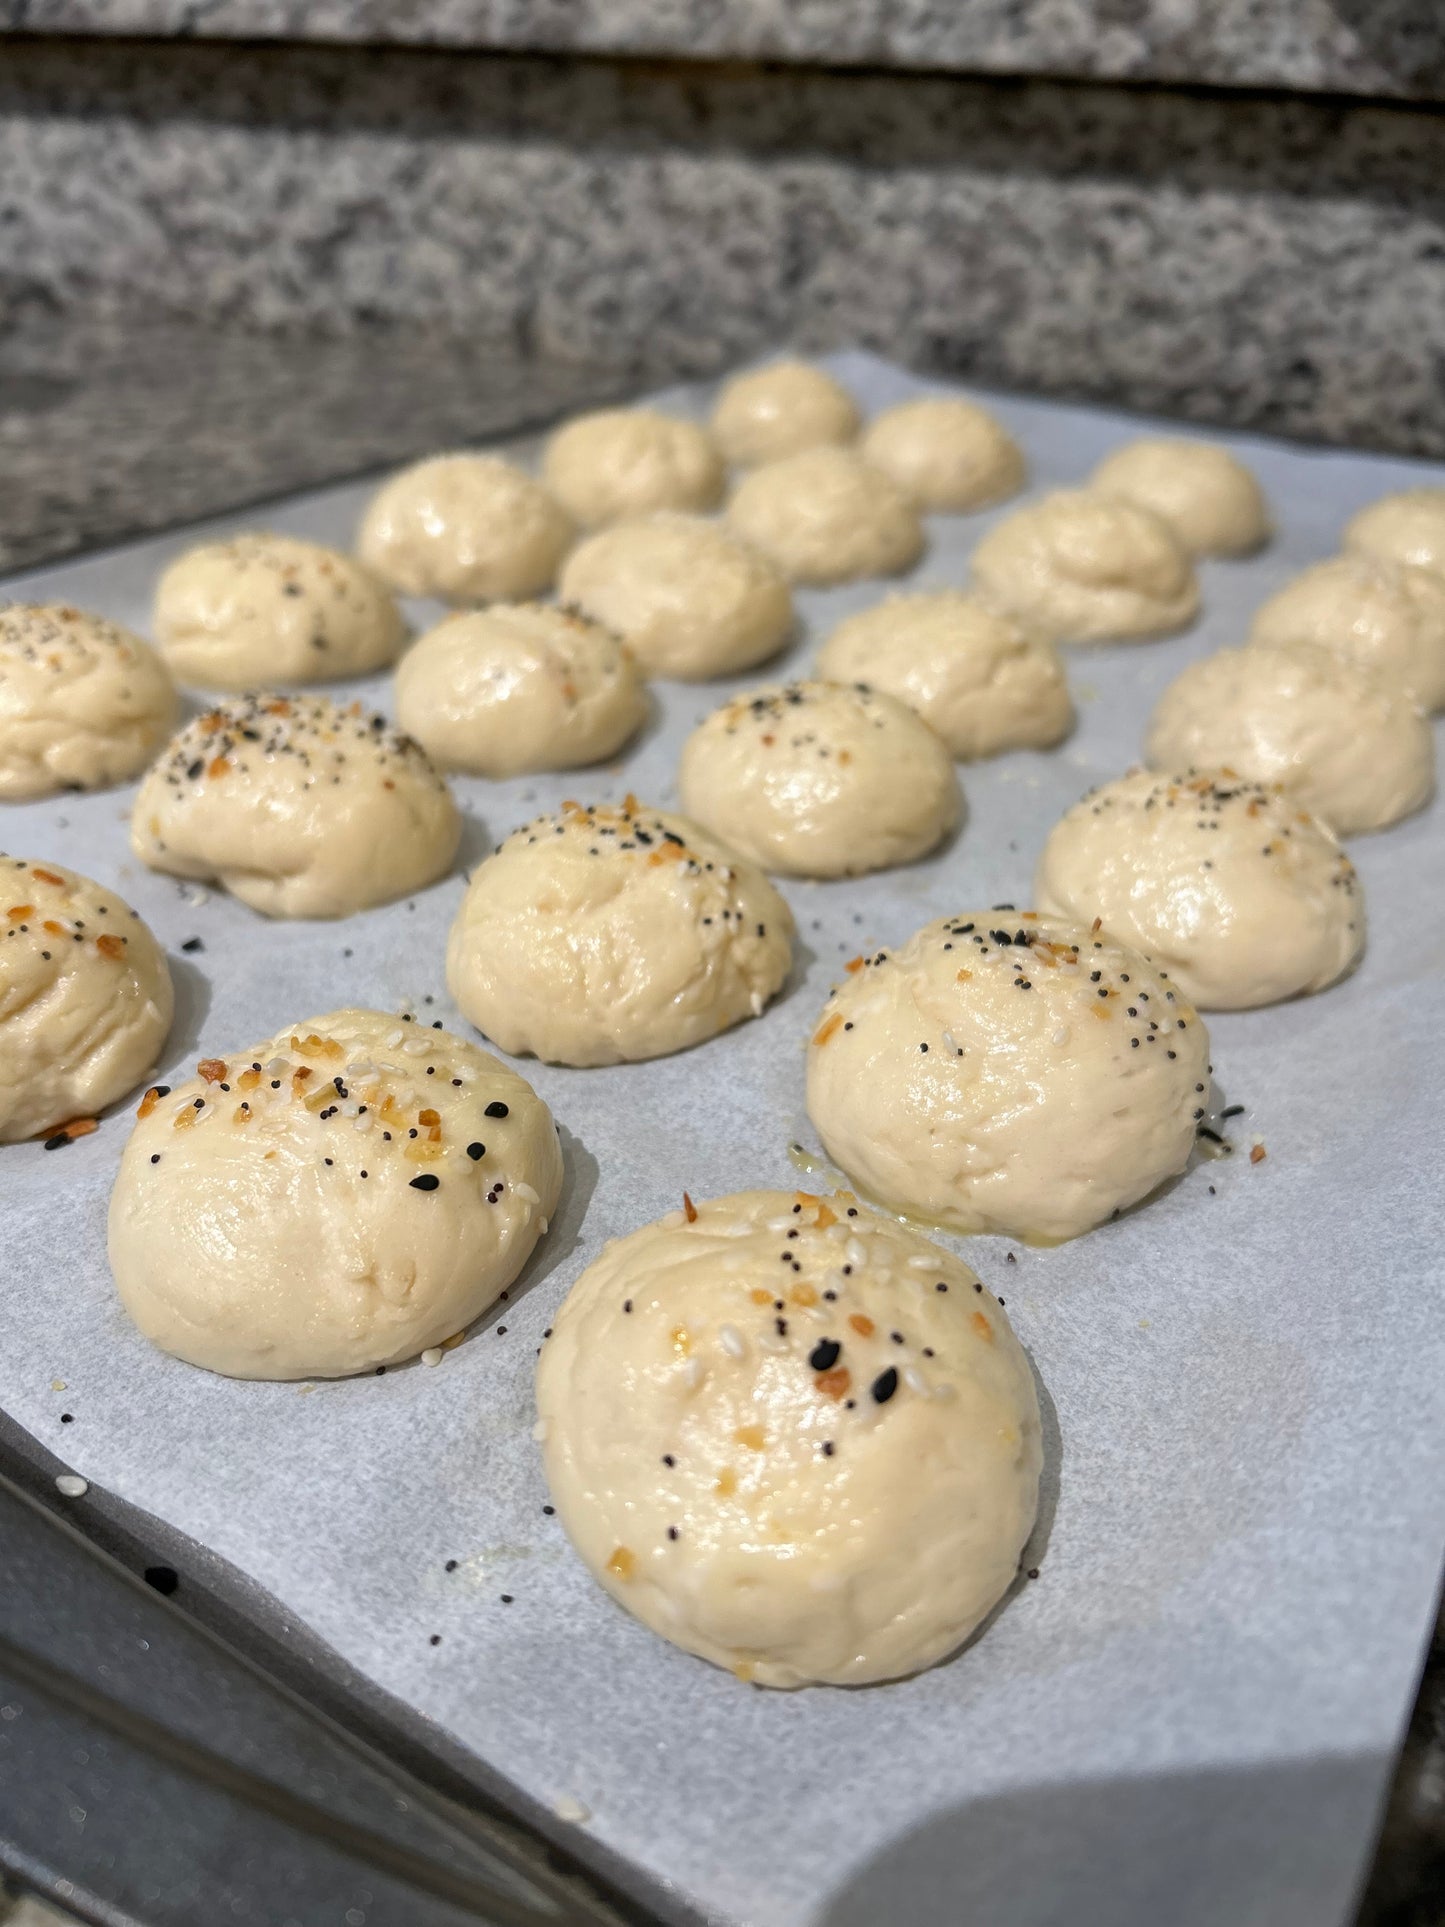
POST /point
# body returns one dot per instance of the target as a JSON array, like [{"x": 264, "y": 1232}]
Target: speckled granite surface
[
  {"x": 1348, "y": 46},
  {"x": 1278, "y": 264}
]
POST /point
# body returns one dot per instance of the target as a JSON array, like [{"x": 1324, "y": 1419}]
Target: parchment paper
[{"x": 1191, "y": 1715}]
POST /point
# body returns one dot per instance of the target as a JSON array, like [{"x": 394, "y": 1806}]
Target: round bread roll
[
  {"x": 622, "y": 462},
  {"x": 690, "y": 600},
  {"x": 1207, "y": 496},
  {"x": 819, "y": 779},
  {"x": 1081, "y": 566},
  {"x": 262, "y": 609},
  {"x": 823, "y": 1470},
  {"x": 465, "y": 528},
  {"x": 1346, "y": 744},
  {"x": 1408, "y": 527},
  {"x": 771, "y": 412},
  {"x": 519, "y": 686},
  {"x": 825, "y": 515},
  {"x": 948, "y": 455},
  {"x": 1008, "y": 1073},
  {"x": 83, "y": 702},
  {"x": 610, "y": 934},
  {"x": 297, "y": 806},
  {"x": 1243, "y": 896},
  {"x": 85, "y": 998},
  {"x": 1381, "y": 615},
  {"x": 339, "y": 1198},
  {"x": 974, "y": 675}
]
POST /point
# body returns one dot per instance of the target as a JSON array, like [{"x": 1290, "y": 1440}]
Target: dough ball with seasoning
[
  {"x": 973, "y": 673},
  {"x": 826, "y": 516},
  {"x": 948, "y": 455},
  {"x": 691, "y": 600},
  {"x": 819, "y": 779},
  {"x": 518, "y": 687},
  {"x": 1082, "y": 566},
  {"x": 622, "y": 462},
  {"x": 1207, "y": 496},
  {"x": 1381, "y": 615},
  {"x": 1408, "y": 527},
  {"x": 792, "y": 1437},
  {"x": 1241, "y": 895},
  {"x": 263, "y": 609},
  {"x": 1345, "y": 743},
  {"x": 83, "y": 702},
  {"x": 465, "y": 528},
  {"x": 341, "y": 1197},
  {"x": 85, "y": 998},
  {"x": 608, "y": 934},
  {"x": 1008, "y": 1073},
  {"x": 766, "y": 413},
  {"x": 298, "y": 806}
]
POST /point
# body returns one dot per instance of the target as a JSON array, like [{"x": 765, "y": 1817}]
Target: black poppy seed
[
  {"x": 475, "y": 1151},
  {"x": 451, "y": 1565},
  {"x": 436, "y": 1639},
  {"x": 943, "y": 1287},
  {"x": 668, "y": 1459},
  {"x": 672, "y": 1532},
  {"x": 627, "y": 1304},
  {"x": 155, "y": 1157}
]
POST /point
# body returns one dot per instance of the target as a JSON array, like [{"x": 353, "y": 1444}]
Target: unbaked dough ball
[
  {"x": 1240, "y": 894},
  {"x": 465, "y": 528},
  {"x": 1408, "y": 527},
  {"x": 822, "y": 1469},
  {"x": 519, "y": 686},
  {"x": 770, "y": 412},
  {"x": 1082, "y": 566},
  {"x": 1381, "y": 615},
  {"x": 609, "y": 934},
  {"x": 691, "y": 600},
  {"x": 1207, "y": 496},
  {"x": 974, "y": 674},
  {"x": 820, "y": 779},
  {"x": 1008, "y": 1073},
  {"x": 297, "y": 806},
  {"x": 826, "y": 515},
  {"x": 85, "y": 998},
  {"x": 339, "y": 1198},
  {"x": 262, "y": 609},
  {"x": 947, "y": 454},
  {"x": 623, "y": 462},
  {"x": 83, "y": 702},
  {"x": 1346, "y": 744}
]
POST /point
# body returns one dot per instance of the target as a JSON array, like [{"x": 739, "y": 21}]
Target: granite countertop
[{"x": 1379, "y": 47}]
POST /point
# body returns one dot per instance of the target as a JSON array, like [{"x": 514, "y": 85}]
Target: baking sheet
[{"x": 1192, "y": 1714}]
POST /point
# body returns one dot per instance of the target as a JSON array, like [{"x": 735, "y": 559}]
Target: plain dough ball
[
  {"x": 1081, "y": 566},
  {"x": 610, "y": 934},
  {"x": 83, "y": 702},
  {"x": 1345, "y": 743},
  {"x": 343, "y": 1196},
  {"x": 689, "y": 598},
  {"x": 974, "y": 675},
  {"x": 1244, "y": 897},
  {"x": 819, "y": 779},
  {"x": 623, "y": 462},
  {"x": 263, "y": 609},
  {"x": 838, "y": 1493},
  {"x": 1408, "y": 527},
  {"x": 519, "y": 687},
  {"x": 947, "y": 454},
  {"x": 297, "y": 806},
  {"x": 827, "y": 516},
  {"x": 775, "y": 411},
  {"x": 1007, "y": 1073},
  {"x": 85, "y": 998},
  {"x": 465, "y": 528},
  {"x": 1381, "y": 615},
  {"x": 1207, "y": 496}
]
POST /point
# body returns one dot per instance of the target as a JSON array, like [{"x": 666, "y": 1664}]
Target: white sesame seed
[
  {"x": 362, "y": 1123},
  {"x": 1061, "y": 1036},
  {"x": 915, "y": 1381},
  {"x": 394, "y": 1039},
  {"x": 416, "y": 1046},
  {"x": 527, "y": 1194},
  {"x": 569, "y": 1808},
  {"x": 542, "y": 1226},
  {"x": 731, "y": 1340},
  {"x": 757, "y": 1004},
  {"x": 433, "y": 1355},
  {"x": 920, "y": 1261},
  {"x": 856, "y": 1252},
  {"x": 692, "y": 1374},
  {"x": 71, "y": 1486}
]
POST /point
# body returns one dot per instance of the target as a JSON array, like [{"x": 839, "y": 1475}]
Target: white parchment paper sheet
[{"x": 1191, "y": 1715}]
